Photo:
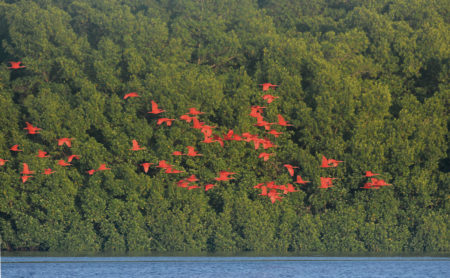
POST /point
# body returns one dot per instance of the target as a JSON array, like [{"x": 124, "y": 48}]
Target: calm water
[{"x": 218, "y": 267}]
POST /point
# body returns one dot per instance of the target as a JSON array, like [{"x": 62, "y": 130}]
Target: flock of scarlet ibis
[{"x": 269, "y": 189}]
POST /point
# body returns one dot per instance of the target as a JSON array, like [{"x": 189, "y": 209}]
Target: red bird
[
  {"x": 67, "y": 141},
  {"x": 186, "y": 118},
  {"x": 63, "y": 163},
  {"x": 326, "y": 162},
  {"x": 72, "y": 157},
  {"x": 31, "y": 129},
  {"x": 165, "y": 120},
  {"x": 269, "y": 98},
  {"x": 274, "y": 196},
  {"x": 267, "y": 86},
  {"x": 132, "y": 94},
  {"x": 155, "y": 109},
  {"x": 2, "y": 162},
  {"x": 265, "y": 156},
  {"x": 263, "y": 191},
  {"x": 209, "y": 186},
  {"x": 25, "y": 178},
  {"x": 326, "y": 182},
  {"x": 26, "y": 170},
  {"x": 48, "y": 171},
  {"x": 370, "y": 174},
  {"x": 289, "y": 189},
  {"x": 177, "y": 153},
  {"x": 16, "y": 65},
  {"x": 192, "y": 152},
  {"x": 378, "y": 182},
  {"x": 197, "y": 124},
  {"x": 224, "y": 176},
  {"x": 42, "y": 154},
  {"x": 136, "y": 146},
  {"x": 192, "y": 178},
  {"x": 290, "y": 169},
  {"x": 146, "y": 166},
  {"x": 300, "y": 180},
  {"x": 194, "y": 111},
  {"x": 274, "y": 132},
  {"x": 15, "y": 148},
  {"x": 91, "y": 172},
  {"x": 103, "y": 168},
  {"x": 183, "y": 183},
  {"x": 193, "y": 187},
  {"x": 163, "y": 164},
  {"x": 282, "y": 121},
  {"x": 173, "y": 171}
]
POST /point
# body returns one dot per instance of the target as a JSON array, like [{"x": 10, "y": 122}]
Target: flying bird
[
  {"x": 193, "y": 187},
  {"x": 146, "y": 166},
  {"x": 224, "y": 176},
  {"x": 192, "y": 151},
  {"x": 26, "y": 170},
  {"x": 326, "y": 182},
  {"x": 274, "y": 132},
  {"x": 155, "y": 109},
  {"x": 370, "y": 174},
  {"x": 192, "y": 178},
  {"x": 177, "y": 153},
  {"x": 72, "y": 157},
  {"x": 269, "y": 98},
  {"x": 136, "y": 146},
  {"x": 48, "y": 171},
  {"x": 300, "y": 180},
  {"x": 42, "y": 154},
  {"x": 209, "y": 186},
  {"x": 165, "y": 120},
  {"x": 163, "y": 164},
  {"x": 3, "y": 161},
  {"x": 132, "y": 94},
  {"x": 31, "y": 129},
  {"x": 15, "y": 148},
  {"x": 16, "y": 65},
  {"x": 194, "y": 111},
  {"x": 290, "y": 169},
  {"x": 67, "y": 141},
  {"x": 103, "y": 168},
  {"x": 91, "y": 172},
  {"x": 282, "y": 121},
  {"x": 265, "y": 156},
  {"x": 25, "y": 178},
  {"x": 63, "y": 163},
  {"x": 327, "y": 163},
  {"x": 267, "y": 86}
]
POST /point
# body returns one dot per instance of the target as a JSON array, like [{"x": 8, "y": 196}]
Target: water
[{"x": 218, "y": 267}]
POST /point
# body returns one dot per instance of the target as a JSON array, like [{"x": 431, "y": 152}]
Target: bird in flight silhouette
[
  {"x": 146, "y": 166},
  {"x": 63, "y": 163},
  {"x": 25, "y": 178},
  {"x": 290, "y": 169},
  {"x": 15, "y": 148},
  {"x": 300, "y": 180},
  {"x": 267, "y": 86},
  {"x": 16, "y": 65},
  {"x": 155, "y": 109},
  {"x": 48, "y": 171},
  {"x": 31, "y": 129},
  {"x": 132, "y": 94},
  {"x": 136, "y": 146},
  {"x": 103, "y": 168},
  {"x": 26, "y": 169},
  {"x": 67, "y": 141},
  {"x": 42, "y": 154},
  {"x": 3, "y": 161},
  {"x": 165, "y": 120},
  {"x": 269, "y": 98}
]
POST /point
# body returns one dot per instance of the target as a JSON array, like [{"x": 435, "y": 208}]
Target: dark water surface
[{"x": 217, "y": 267}]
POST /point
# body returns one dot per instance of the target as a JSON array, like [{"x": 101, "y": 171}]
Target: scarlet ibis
[
  {"x": 224, "y": 176},
  {"x": 91, "y": 172},
  {"x": 282, "y": 121},
  {"x": 72, "y": 157},
  {"x": 300, "y": 180},
  {"x": 209, "y": 186},
  {"x": 378, "y": 182},
  {"x": 192, "y": 178},
  {"x": 274, "y": 132},
  {"x": 193, "y": 187},
  {"x": 326, "y": 163},
  {"x": 274, "y": 196},
  {"x": 63, "y": 163},
  {"x": 186, "y": 118},
  {"x": 132, "y": 94},
  {"x": 3, "y": 161},
  {"x": 165, "y": 120},
  {"x": 103, "y": 168},
  {"x": 326, "y": 182},
  {"x": 163, "y": 164},
  {"x": 136, "y": 146},
  {"x": 155, "y": 109},
  {"x": 25, "y": 178},
  {"x": 263, "y": 191},
  {"x": 15, "y": 148},
  {"x": 31, "y": 129},
  {"x": 370, "y": 174},
  {"x": 267, "y": 86},
  {"x": 182, "y": 183},
  {"x": 177, "y": 153},
  {"x": 173, "y": 171},
  {"x": 194, "y": 111},
  {"x": 48, "y": 171},
  {"x": 67, "y": 141},
  {"x": 289, "y": 189},
  {"x": 42, "y": 154},
  {"x": 290, "y": 169},
  {"x": 146, "y": 166},
  {"x": 192, "y": 151},
  {"x": 265, "y": 156},
  {"x": 16, "y": 65},
  {"x": 26, "y": 170},
  {"x": 269, "y": 98}
]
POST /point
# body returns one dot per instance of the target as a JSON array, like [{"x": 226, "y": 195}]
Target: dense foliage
[{"x": 365, "y": 82}]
